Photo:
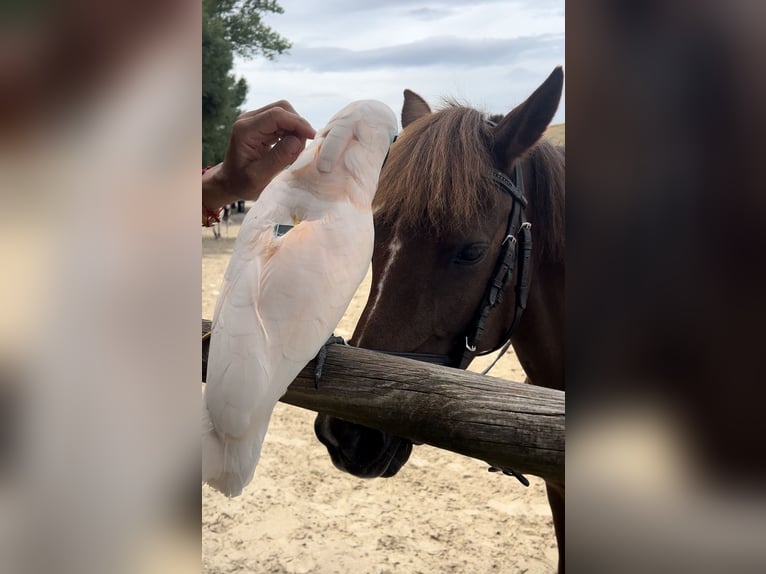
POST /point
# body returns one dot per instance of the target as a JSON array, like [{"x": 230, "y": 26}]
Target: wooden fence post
[{"x": 505, "y": 423}]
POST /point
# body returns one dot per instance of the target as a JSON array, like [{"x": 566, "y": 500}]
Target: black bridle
[
  {"x": 515, "y": 255},
  {"x": 515, "y": 250}
]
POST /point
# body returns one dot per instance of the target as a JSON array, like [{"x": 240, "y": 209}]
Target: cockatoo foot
[
  {"x": 508, "y": 472},
  {"x": 322, "y": 355}
]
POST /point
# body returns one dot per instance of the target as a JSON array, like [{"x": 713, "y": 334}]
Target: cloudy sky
[{"x": 489, "y": 54}]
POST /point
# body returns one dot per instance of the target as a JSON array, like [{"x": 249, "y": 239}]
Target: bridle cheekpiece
[{"x": 515, "y": 255}]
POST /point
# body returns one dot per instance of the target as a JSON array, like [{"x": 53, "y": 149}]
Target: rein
[{"x": 515, "y": 254}]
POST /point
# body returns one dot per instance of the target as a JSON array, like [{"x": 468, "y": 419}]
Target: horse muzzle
[{"x": 359, "y": 450}]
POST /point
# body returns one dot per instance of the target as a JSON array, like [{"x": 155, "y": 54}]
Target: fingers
[
  {"x": 274, "y": 121},
  {"x": 284, "y": 104},
  {"x": 252, "y": 137},
  {"x": 262, "y": 143},
  {"x": 277, "y": 120},
  {"x": 285, "y": 152}
]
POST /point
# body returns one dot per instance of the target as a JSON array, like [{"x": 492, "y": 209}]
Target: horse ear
[
  {"x": 524, "y": 125},
  {"x": 414, "y": 107}
]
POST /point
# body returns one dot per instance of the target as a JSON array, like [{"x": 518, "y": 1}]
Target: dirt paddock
[{"x": 442, "y": 512}]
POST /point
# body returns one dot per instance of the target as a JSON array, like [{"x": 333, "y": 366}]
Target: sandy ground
[{"x": 442, "y": 512}]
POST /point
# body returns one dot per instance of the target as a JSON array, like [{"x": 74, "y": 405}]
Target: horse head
[{"x": 440, "y": 223}]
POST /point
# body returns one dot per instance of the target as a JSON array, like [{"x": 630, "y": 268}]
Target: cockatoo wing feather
[{"x": 283, "y": 293}]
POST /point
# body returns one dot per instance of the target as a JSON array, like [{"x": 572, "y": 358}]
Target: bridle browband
[{"x": 515, "y": 255}]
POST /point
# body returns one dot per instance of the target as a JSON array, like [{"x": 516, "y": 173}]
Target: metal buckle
[{"x": 471, "y": 348}]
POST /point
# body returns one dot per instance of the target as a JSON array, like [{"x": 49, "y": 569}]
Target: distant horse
[{"x": 457, "y": 201}]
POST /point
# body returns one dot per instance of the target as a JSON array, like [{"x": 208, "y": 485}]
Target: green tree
[{"x": 230, "y": 27}]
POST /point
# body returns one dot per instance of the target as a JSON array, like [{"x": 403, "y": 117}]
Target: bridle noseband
[{"x": 515, "y": 255}]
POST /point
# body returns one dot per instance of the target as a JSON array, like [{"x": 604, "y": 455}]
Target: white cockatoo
[{"x": 302, "y": 251}]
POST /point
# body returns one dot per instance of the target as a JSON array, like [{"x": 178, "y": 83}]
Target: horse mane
[
  {"x": 547, "y": 199},
  {"x": 446, "y": 156},
  {"x": 451, "y": 194}
]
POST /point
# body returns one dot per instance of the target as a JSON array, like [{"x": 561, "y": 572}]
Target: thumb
[{"x": 284, "y": 152}]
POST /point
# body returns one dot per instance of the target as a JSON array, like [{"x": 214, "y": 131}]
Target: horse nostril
[
  {"x": 361, "y": 451},
  {"x": 352, "y": 439},
  {"x": 323, "y": 431}
]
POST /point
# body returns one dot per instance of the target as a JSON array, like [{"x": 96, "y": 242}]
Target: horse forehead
[
  {"x": 407, "y": 240},
  {"x": 402, "y": 254},
  {"x": 423, "y": 239}
]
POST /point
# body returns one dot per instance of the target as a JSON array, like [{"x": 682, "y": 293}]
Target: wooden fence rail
[{"x": 504, "y": 423}]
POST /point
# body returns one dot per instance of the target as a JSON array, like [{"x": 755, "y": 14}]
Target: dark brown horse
[{"x": 441, "y": 221}]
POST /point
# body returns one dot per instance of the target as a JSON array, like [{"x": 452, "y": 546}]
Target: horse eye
[{"x": 471, "y": 254}]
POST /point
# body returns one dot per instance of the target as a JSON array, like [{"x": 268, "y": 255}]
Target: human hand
[{"x": 262, "y": 143}]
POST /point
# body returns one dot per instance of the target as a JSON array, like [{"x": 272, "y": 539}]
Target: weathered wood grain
[{"x": 504, "y": 423}]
